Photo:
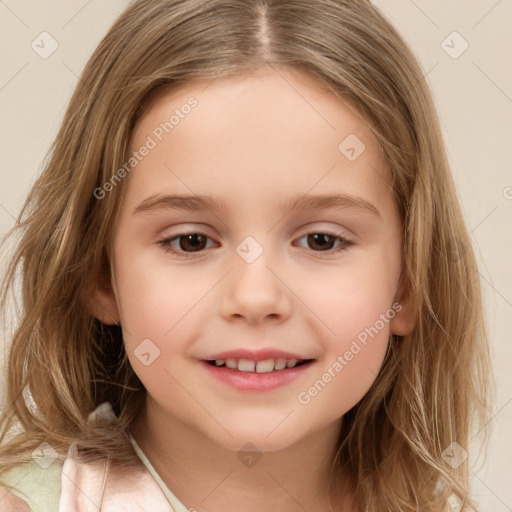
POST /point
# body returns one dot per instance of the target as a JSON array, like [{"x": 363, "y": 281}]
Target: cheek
[
  {"x": 158, "y": 308},
  {"x": 354, "y": 347},
  {"x": 156, "y": 295},
  {"x": 356, "y": 304},
  {"x": 343, "y": 380},
  {"x": 351, "y": 298}
]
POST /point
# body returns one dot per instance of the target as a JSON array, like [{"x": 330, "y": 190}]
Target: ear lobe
[
  {"x": 103, "y": 305},
  {"x": 405, "y": 318}
]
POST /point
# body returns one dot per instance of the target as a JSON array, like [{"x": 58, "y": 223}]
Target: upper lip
[{"x": 256, "y": 355}]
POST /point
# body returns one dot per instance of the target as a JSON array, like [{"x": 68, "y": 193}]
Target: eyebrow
[{"x": 301, "y": 203}]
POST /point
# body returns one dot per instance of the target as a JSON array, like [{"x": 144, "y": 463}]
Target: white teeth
[
  {"x": 265, "y": 366},
  {"x": 280, "y": 364},
  {"x": 247, "y": 365}
]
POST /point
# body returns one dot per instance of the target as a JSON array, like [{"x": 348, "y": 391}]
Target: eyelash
[{"x": 166, "y": 243}]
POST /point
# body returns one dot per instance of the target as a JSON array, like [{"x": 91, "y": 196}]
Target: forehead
[
  {"x": 269, "y": 98},
  {"x": 271, "y": 131}
]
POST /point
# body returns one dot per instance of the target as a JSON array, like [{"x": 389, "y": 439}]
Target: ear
[
  {"x": 404, "y": 306},
  {"x": 103, "y": 303}
]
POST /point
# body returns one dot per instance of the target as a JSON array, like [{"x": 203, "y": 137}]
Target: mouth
[{"x": 249, "y": 375}]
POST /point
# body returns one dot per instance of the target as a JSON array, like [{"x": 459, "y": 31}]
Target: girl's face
[{"x": 269, "y": 266}]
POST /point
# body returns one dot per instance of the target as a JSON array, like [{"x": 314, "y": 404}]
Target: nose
[{"x": 255, "y": 292}]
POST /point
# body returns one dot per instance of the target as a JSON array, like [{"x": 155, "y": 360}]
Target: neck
[{"x": 207, "y": 476}]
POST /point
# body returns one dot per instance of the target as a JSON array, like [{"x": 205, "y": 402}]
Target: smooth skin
[{"x": 255, "y": 143}]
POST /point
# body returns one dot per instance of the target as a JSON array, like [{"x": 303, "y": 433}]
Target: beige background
[{"x": 474, "y": 97}]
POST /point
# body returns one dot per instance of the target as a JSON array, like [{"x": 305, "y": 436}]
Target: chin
[{"x": 260, "y": 441}]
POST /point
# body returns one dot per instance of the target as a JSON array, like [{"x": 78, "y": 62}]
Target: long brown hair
[{"x": 63, "y": 362}]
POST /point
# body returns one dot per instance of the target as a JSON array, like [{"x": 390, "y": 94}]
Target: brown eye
[
  {"x": 192, "y": 242},
  {"x": 321, "y": 241},
  {"x": 185, "y": 243},
  {"x": 326, "y": 242}
]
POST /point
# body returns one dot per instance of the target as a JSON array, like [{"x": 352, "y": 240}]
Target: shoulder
[{"x": 32, "y": 486}]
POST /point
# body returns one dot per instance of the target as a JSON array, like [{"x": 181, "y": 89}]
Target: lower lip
[{"x": 258, "y": 382}]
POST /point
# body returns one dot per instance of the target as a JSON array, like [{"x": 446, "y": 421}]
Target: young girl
[{"x": 246, "y": 279}]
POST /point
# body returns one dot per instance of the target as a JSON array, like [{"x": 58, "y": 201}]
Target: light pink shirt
[{"x": 94, "y": 487}]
